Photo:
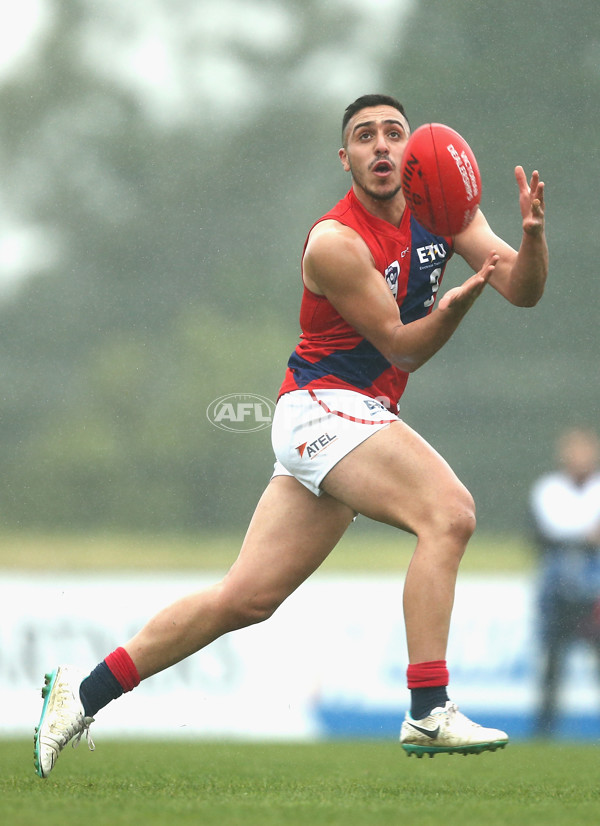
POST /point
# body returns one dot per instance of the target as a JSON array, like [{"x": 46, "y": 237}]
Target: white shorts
[{"x": 313, "y": 429}]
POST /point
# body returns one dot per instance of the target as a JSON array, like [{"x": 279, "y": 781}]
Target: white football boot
[
  {"x": 447, "y": 731},
  {"x": 62, "y": 718}
]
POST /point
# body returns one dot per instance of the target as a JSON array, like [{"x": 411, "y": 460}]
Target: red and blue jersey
[{"x": 331, "y": 353}]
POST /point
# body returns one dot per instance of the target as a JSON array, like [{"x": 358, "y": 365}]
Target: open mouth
[{"x": 382, "y": 167}]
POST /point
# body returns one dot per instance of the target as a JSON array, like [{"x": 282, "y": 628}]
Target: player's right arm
[{"x": 338, "y": 264}]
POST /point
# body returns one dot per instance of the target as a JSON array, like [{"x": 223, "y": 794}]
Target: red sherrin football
[{"x": 440, "y": 179}]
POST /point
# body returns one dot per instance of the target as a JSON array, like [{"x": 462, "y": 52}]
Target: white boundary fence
[{"x": 330, "y": 663}]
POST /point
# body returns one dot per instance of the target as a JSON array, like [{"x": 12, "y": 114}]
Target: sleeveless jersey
[{"x": 330, "y": 352}]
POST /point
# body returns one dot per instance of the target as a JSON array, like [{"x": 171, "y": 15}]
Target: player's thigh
[
  {"x": 291, "y": 533},
  {"x": 396, "y": 477}
]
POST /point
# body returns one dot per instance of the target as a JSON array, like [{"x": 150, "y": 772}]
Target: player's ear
[{"x": 343, "y": 155}]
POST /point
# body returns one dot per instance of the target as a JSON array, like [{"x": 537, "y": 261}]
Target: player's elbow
[
  {"x": 411, "y": 367},
  {"x": 528, "y": 303},
  {"x": 408, "y": 362},
  {"x": 407, "y": 350},
  {"x": 526, "y": 290},
  {"x": 527, "y": 299}
]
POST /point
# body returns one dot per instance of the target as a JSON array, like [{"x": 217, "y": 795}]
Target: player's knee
[
  {"x": 257, "y": 609},
  {"x": 454, "y": 517},
  {"x": 242, "y": 610},
  {"x": 462, "y": 516}
]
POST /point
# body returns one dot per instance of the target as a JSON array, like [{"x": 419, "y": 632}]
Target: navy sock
[
  {"x": 424, "y": 700},
  {"x": 97, "y": 690}
]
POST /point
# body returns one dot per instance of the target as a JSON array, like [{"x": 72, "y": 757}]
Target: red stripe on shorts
[{"x": 346, "y": 415}]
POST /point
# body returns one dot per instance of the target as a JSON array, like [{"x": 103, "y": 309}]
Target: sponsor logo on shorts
[
  {"x": 241, "y": 412},
  {"x": 374, "y": 406},
  {"x": 312, "y": 449}
]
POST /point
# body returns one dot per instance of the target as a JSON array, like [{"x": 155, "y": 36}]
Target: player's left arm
[{"x": 520, "y": 275}]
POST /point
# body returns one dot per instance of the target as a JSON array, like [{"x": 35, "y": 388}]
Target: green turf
[
  {"x": 351, "y": 784},
  {"x": 363, "y": 548}
]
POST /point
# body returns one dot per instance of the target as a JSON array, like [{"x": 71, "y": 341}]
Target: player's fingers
[
  {"x": 490, "y": 264},
  {"x": 539, "y": 195},
  {"x": 520, "y": 177},
  {"x": 535, "y": 179}
]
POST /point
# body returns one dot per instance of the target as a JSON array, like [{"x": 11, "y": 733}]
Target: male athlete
[{"x": 371, "y": 274}]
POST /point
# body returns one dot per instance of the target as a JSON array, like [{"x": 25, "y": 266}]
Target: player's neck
[{"x": 390, "y": 210}]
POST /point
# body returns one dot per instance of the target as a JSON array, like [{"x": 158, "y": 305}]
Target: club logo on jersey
[
  {"x": 391, "y": 277},
  {"x": 312, "y": 449}
]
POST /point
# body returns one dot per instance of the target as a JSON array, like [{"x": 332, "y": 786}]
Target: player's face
[{"x": 374, "y": 142}]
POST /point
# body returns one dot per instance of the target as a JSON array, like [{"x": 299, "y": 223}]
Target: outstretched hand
[
  {"x": 460, "y": 299},
  {"x": 531, "y": 201}
]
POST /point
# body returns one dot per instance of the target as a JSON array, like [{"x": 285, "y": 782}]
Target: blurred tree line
[{"x": 172, "y": 268}]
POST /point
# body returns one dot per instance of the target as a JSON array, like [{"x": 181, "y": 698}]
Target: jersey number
[{"x": 434, "y": 280}]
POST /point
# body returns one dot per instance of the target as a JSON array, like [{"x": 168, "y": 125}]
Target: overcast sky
[
  {"x": 146, "y": 45},
  {"x": 222, "y": 59}
]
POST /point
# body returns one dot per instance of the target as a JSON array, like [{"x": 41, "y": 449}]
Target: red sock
[
  {"x": 427, "y": 675},
  {"x": 123, "y": 669},
  {"x": 427, "y": 683}
]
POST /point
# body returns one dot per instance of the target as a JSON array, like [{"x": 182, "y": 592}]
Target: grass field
[
  {"x": 363, "y": 548},
  {"x": 345, "y": 783}
]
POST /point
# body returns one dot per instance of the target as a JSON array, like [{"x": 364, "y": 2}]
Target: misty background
[{"x": 161, "y": 162}]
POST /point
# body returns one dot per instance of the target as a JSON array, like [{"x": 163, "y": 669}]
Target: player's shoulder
[
  {"x": 334, "y": 255},
  {"x": 331, "y": 237}
]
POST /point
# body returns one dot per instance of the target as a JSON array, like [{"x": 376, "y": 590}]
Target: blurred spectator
[{"x": 565, "y": 506}]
